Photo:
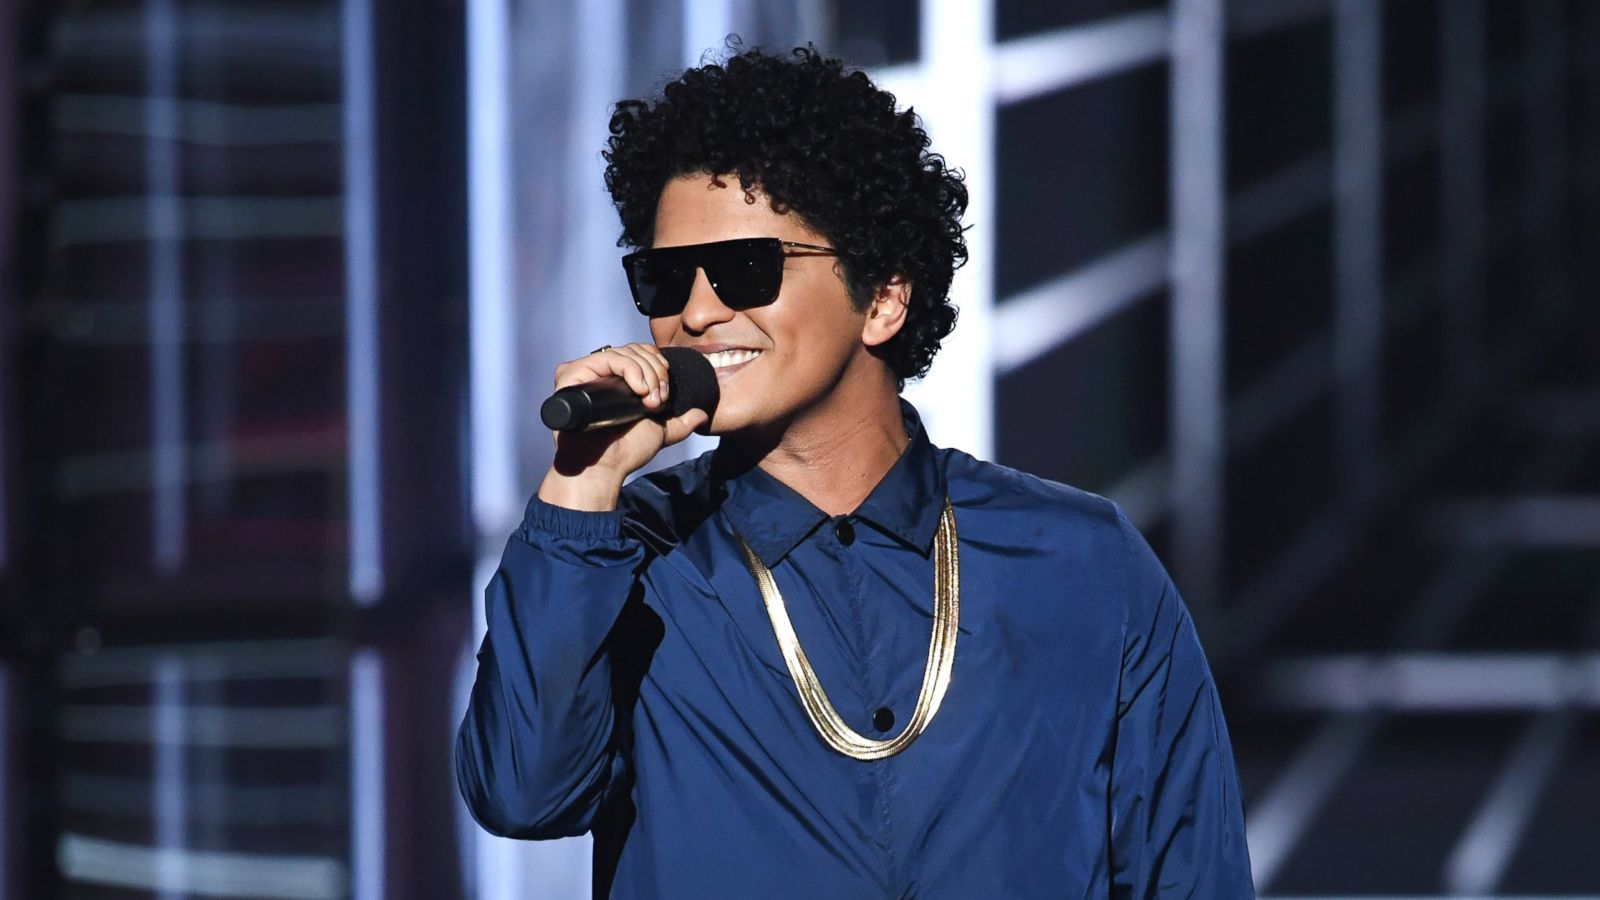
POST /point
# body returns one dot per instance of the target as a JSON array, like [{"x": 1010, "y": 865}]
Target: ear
[{"x": 886, "y": 314}]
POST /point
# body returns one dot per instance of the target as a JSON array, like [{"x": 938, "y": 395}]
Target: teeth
[{"x": 724, "y": 358}]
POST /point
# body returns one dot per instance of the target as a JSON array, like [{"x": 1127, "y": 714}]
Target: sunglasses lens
[
  {"x": 660, "y": 280},
  {"x": 744, "y": 273}
]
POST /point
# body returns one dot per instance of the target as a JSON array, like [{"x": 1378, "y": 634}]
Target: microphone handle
[{"x": 592, "y": 405}]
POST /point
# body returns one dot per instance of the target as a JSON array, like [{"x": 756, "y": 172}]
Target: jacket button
[
  {"x": 845, "y": 532},
  {"x": 883, "y": 719}
]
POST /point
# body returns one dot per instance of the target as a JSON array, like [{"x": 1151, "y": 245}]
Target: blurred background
[{"x": 1311, "y": 283}]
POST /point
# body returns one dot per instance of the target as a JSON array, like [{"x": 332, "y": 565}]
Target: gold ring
[{"x": 600, "y": 349}]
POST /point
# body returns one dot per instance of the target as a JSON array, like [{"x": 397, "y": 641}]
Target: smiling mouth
[{"x": 729, "y": 361}]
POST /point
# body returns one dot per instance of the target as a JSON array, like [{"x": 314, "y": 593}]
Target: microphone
[{"x": 608, "y": 401}]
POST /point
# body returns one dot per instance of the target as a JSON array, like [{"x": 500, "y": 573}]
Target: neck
[{"x": 835, "y": 453}]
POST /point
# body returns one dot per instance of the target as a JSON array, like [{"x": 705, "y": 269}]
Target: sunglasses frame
[{"x": 714, "y": 255}]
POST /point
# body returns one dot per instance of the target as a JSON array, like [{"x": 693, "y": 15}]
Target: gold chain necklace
[{"x": 935, "y": 677}]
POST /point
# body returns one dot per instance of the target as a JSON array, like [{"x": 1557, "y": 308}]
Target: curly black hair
[{"x": 821, "y": 140}]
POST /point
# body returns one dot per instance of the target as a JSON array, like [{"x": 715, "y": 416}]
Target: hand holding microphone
[
  {"x": 691, "y": 383},
  {"x": 614, "y": 410}
]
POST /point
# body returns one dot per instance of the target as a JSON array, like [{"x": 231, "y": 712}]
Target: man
[{"x": 829, "y": 659}]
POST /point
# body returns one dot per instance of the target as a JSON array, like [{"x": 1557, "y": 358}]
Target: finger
[
  {"x": 680, "y": 427},
  {"x": 576, "y": 372},
  {"x": 584, "y": 369},
  {"x": 638, "y": 372},
  {"x": 652, "y": 355}
]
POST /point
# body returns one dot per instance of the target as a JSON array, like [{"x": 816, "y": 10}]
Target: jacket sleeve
[
  {"x": 535, "y": 755},
  {"x": 1177, "y": 820}
]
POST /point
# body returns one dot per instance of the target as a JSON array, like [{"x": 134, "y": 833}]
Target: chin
[
  {"x": 734, "y": 418},
  {"x": 725, "y": 423}
]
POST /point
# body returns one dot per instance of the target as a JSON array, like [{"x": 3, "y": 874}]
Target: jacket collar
[{"x": 773, "y": 518}]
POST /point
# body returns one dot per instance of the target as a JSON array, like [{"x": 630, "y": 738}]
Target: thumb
[{"x": 680, "y": 427}]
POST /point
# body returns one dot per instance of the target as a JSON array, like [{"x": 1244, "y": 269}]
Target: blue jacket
[{"x": 630, "y": 685}]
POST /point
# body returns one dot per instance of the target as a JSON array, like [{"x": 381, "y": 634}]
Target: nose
[{"x": 704, "y": 308}]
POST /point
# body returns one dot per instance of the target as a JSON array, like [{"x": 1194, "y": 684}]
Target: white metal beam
[
  {"x": 1198, "y": 204},
  {"x": 368, "y": 789},
  {"x": 1484, "y": 851},
  {"x": 955, "y": 96},
  {"x": 169, "y": 801},
  {"x": 706, "y": 25},
  {"x": 87, "y": 859},
  {"x": 1033, "y": 323},
  {"x": 496, "y": 501},
  {"x": 362, "y": 378},
  {"x": 1041, "y": 64},
  {"x": 1279, "y": 820},
  {"x": 1433, "y": 682},
  {"x": 163, "y": 209}
]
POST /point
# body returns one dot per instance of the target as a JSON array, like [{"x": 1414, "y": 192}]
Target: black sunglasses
[{"x": 744, "y": 272}]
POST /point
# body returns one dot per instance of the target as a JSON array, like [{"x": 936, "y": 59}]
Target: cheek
[{"x": 813, "y": 348}]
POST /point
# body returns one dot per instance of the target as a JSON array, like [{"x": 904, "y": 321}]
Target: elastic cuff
[{"x": 547, "y": 518}]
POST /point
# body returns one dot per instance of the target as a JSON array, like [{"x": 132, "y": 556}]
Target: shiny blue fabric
[{"x": 630, "y": 684}]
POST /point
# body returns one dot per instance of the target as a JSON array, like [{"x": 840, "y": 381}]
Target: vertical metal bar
[
  {"x": 1462, "y": 213},
  {"x": 169, "y": 780},
  {"x": 602, "y": 66},
  {"x": 1198, "y": 201},
  {"x": 955, "y": 96},
  {"x": 813, "y": 20},
  {"x": 367, "y": 775},
  {"x": 168, "y": 456},
  {"x": 363, "y": 381},
  {"x": 495, "y": 496},
  {"x": 1358, "y": 243},
  {"x": 599, "y": 65},
  {"x": 362, "y": 376},
  {"x": 706, "y": 24},
  {"x": 360, "y": 305}
]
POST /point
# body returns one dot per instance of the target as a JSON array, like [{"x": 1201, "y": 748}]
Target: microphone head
[{"x": 691, "y": 381}]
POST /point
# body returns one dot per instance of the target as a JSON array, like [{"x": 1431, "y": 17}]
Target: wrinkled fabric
[{"x": 630, "y": 684}]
